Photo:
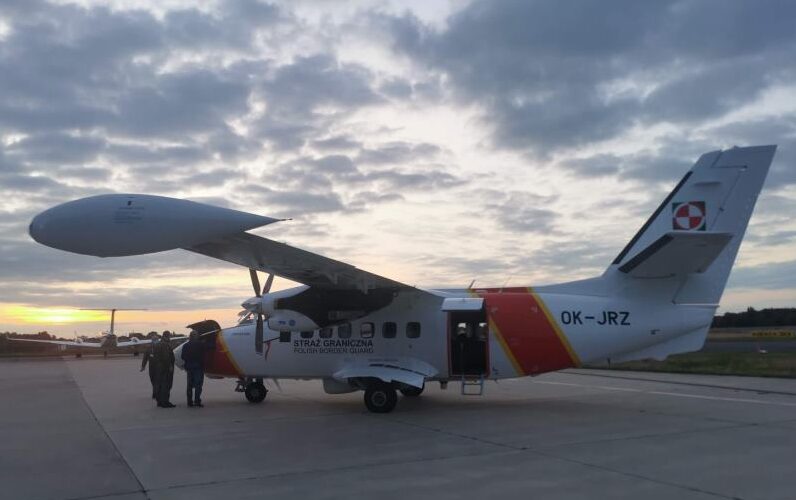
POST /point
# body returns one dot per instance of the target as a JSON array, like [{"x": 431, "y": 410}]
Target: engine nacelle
[
  {"x": 115, "y": 225},
  {"x": 284, "y": 319}
]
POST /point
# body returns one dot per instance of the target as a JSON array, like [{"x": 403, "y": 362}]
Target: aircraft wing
[
  {"x": 411, "y": 372},
  {"x": 67, "y": 343},
  {"x": 131, "y": 343},
  {"x": 292, "y": 263}
]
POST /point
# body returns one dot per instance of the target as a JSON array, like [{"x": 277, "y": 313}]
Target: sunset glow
[{"x": 26, "y": 315}]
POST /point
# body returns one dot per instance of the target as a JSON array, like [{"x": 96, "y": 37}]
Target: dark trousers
[
  {"x": 196, "y": 377},
  {"x": 153, "y": 379},
  {"x": 163, "y": 381}
]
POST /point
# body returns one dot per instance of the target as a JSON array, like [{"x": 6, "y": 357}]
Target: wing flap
[
  {"x": 411, "y": 372},
  {"x": 677, "y": 253},
  {"x": 292, "y": 263}
]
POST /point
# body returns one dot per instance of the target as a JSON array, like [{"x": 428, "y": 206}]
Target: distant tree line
[{"x": 753, "y": 317}]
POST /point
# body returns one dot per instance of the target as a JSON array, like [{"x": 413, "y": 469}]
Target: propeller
[{"x": 255, "y": 305}]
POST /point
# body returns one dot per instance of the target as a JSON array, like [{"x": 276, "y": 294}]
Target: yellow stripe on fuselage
[
  {"x": 550, "y": 319},
  {"x": 225, "y": 350}
]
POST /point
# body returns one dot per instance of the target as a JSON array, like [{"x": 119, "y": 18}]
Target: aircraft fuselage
[{"x": 516, "y": 333}]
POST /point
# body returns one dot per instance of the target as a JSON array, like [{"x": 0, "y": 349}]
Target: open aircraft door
[{"x": 468, "y": 337}]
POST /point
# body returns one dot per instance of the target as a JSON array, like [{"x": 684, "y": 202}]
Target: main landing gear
[
  {"x": 380, "y": 397},
  {"x": 252, "y": 388}
]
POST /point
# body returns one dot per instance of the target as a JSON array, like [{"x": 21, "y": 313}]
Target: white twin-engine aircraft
[
  {"x": 359, "y": 331},
  {"x": 108, "y": 340}
]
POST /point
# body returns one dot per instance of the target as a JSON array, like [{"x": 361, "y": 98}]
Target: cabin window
[
  {"x": 326, "y": 333},
  {"x": 366, "y": 330},
  {"x": 413, "y": 330},
  {"x": 284, "y": 336},
  {"x": 389, "y": 330},
  {"x": 307, "y": 335},
  {"x": 344, "y": 331}
]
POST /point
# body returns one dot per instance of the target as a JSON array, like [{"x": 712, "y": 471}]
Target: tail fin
[{"x": 696, "y": 232}]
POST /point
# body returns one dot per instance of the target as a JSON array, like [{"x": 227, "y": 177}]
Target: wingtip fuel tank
[{"x": 114, "y": 225}]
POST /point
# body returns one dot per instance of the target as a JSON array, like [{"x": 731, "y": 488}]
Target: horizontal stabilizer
[{"x": 677, "y": 253}]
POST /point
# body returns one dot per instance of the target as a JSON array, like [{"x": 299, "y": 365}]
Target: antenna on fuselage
[{"x": 507, "y": 281}]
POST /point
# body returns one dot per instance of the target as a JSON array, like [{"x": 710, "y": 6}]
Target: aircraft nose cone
[{"x": 178, "y": 356}]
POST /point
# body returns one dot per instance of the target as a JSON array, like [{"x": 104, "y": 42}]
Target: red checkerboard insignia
[{"x": 689, "y": 216}]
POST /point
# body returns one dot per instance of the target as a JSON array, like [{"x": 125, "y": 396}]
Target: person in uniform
[
  {"x": 163, "y": 357},
  {"x": 149, "y": 358},
  {"x": 193, "y": 354}
]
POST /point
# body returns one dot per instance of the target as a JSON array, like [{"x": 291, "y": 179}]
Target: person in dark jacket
[
  {"x": 193, "y": 355},
  {"x": 149, "y": 358},
  {"x": 163, "y": 357}
]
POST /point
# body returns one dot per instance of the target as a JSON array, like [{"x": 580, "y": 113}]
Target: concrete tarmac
[{"x": 87, "y": 428}]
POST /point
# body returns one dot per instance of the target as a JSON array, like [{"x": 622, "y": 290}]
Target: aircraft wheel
[
  {"x": 413, "y": 392},
  {"x": 255, "y": 392},
  {"x": 79, "y": 355},
  {"x": 380, "y": 397}
]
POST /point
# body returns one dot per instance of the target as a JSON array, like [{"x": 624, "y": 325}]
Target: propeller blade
[
  {"x": 268, "y": 283},
  {"x": 255, "y": 281},
  {"x": 258, "y": 336}
]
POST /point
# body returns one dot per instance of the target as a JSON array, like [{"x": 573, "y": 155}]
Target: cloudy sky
[{"x": 517, "y": 142}]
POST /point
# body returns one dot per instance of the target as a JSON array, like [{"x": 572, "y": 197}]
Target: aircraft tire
[
  {"x": 412, "y": 392},
  {"x": 255, "y": 392},
  {"x": 380, "y": 397}
]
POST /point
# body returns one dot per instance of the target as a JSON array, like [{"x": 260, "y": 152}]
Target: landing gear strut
[
  {"x": 380, "y": 397},
  {"x": 253, "y": 389},
  {"x": 412, "y": 392}
]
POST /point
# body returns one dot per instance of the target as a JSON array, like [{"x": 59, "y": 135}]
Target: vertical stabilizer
[{"x": 715, "y": 199}]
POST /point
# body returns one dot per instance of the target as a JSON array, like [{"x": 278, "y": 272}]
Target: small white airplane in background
[
  {"x": 108, "y": 340},
  {"x": 355, "y": 330}
]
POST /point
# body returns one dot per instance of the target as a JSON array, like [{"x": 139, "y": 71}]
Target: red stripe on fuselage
[
  {"x": 533, "y": 340},
  {"x": 219, "y": 361}
]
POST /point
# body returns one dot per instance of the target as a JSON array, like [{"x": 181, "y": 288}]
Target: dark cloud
[
  {"x": 519, "y": 211},
  {"x": 396, "y": 88},
  {"x": 398, "y": 152},
  {"x": 772, "y": 276},
  {"x": 285, "y": 203},
  {"x": 56, "y": 147},
  {"x": 551, "y": 76},
  {"x": 298, "y": 89},
  {"x": 336, "y": 143},
  {"x": 185, "y": 102}
]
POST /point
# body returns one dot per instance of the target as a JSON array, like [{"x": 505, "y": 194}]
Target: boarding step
[{"x": 473, "y": 386}]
